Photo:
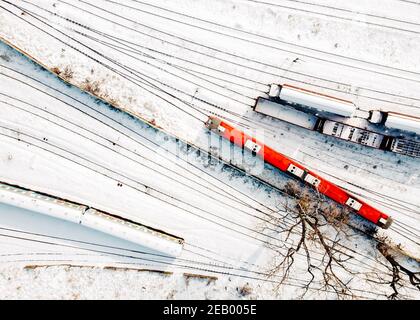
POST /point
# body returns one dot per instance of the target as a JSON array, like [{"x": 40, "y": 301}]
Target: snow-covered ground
[
  {"x": 96, "y": 283},
  {"x": 60, "y": 141}
]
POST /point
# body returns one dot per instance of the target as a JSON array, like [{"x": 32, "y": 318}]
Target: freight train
[{"x": 341, "y": 119}]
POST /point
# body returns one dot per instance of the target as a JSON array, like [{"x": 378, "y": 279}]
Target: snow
[
  {"x": 164, "y": 192},
  {"x": 96, "y": 283}
]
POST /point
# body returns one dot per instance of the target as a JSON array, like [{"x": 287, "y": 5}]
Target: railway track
[
  {"x": 136, "y": 258},
  {"x": 143, "y": 74},
  {"x": 190, "y": 209},
  {"x": 291, "y": 221},
  {"x": 375, "y": 65},
  {"x": 211, "y": 104},
  {"x": 248, "y": 61},
  {"x": 352, "y": 16},
  {"x": 154, "y": 86}
]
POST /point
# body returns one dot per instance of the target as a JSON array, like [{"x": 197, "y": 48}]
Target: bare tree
[
  {"x": 315, "y": 227},
  {"x": 398, "y": 272}
]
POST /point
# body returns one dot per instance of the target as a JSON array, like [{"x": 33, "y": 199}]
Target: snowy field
[{"x": 168, "y": 64}]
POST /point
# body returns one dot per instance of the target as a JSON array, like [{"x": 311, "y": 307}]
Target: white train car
[
  {"x": 81, "y": 214},
  {"x": 286, "y": 113},
  {"x": 132, "y": 231},
  {"x": 284, "y": 97},
  {"x": 323, "y": 103},
  {"x": 339, "y": 128},
  {"x": 312, "y": 99},
  {"x": 30, "y": 200},
  {"x": 402, "y": 122}
]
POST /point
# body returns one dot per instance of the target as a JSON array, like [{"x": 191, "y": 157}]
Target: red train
[{"x": 290, "y": 166}]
